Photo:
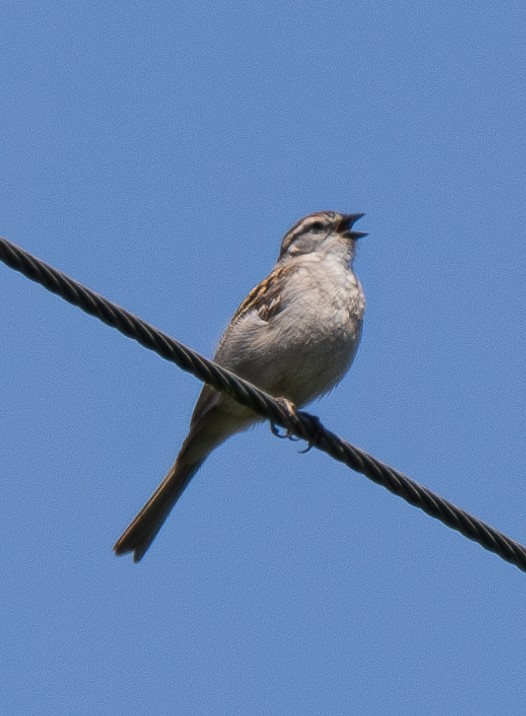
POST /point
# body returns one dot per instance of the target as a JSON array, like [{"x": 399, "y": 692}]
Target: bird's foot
[
  {"x": 290, "y": 410},
  {"x": 314, "y": 424}
]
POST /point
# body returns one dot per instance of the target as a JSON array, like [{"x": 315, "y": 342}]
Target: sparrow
[{"x": 294, "y": 336}]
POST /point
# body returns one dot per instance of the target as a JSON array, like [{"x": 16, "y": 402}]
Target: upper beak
[{"x": 345, "y": 226}]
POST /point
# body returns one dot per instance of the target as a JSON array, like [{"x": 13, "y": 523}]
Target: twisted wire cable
[{"x": 299, "y": 424}]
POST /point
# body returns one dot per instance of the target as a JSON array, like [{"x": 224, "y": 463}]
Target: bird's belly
[
  {"x": 312, "y": 366},
  {"x": 304, "y": 357}
]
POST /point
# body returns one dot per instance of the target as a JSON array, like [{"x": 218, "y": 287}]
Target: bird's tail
[
  {"x": 141, "y": 532},
  {"x": 209, "y": 428}
]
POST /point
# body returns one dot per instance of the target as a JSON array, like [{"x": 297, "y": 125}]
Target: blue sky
[{"x": 157, "y": 152}]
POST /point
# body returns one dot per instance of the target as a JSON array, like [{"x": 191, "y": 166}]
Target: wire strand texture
[{"x": 299, "y": 424}]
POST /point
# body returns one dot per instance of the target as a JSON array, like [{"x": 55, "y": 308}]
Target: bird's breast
[{"x": 305, "y": 348}]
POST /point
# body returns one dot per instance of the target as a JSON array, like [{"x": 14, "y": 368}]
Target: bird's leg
[
  {"x": 290, "y": 410},
  {"x": 315, "y": 425}
]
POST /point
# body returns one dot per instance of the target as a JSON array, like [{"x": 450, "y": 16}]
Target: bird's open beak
[{"x": 345, "y": 225}]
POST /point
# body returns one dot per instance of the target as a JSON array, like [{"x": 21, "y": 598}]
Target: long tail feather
[
  {"x": 209, "y": 428},
  {"x": 141, "y": 532}
]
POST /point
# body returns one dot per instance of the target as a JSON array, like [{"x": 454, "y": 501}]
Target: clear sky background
[{"x": 157, "y": 152}]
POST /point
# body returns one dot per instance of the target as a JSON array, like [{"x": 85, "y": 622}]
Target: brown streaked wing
[{"x": 265, "y": 298}]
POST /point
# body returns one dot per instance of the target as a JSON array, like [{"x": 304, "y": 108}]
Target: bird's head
[{"x": 323, "y": 231}]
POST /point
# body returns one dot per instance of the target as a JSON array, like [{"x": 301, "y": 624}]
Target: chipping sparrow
[{"x": 294, "y": 336}]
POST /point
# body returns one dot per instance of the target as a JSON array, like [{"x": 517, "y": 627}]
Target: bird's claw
[
  {"x": 290, "y": 409},
  {"x": 275, "y": 431}
]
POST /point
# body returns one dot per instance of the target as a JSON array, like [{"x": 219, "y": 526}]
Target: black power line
[{"x": 300, "y": 424}]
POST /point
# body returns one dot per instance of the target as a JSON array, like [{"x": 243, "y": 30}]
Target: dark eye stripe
[{"x": 315, "y": 222}]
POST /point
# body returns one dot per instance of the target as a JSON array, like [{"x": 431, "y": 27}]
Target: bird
[{"x": 294, "y": 336}]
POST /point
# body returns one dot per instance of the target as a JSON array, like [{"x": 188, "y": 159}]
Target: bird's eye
[{"x": 317, "y": 226}]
